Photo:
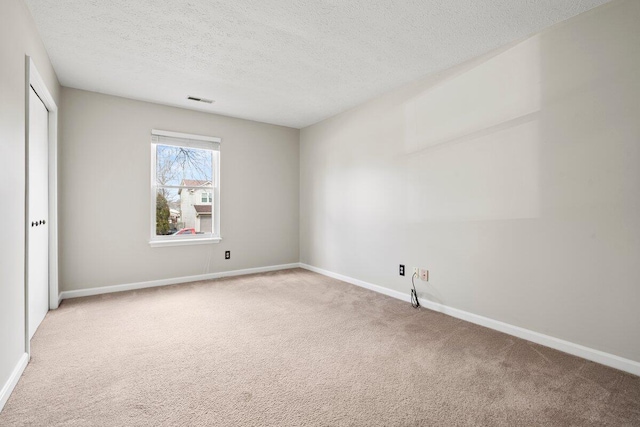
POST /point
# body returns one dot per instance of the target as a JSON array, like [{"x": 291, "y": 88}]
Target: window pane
[
  {"x": 182, "y": 212},
  {"x": 167, "y": 211},
  {"x": 183, "y": 166}
]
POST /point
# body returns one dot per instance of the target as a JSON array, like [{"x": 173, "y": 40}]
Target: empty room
[{"x": 320, "y": 213}]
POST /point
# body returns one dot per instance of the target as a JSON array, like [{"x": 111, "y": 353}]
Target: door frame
[{"x": 34, "y": 80}]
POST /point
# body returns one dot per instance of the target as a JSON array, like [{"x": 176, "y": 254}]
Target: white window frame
[
  {"x": 193, "y": 141},
  {"x": 209, "y": 197}
]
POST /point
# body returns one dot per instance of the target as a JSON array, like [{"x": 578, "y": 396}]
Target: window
[{"x": 185, "y": 189}]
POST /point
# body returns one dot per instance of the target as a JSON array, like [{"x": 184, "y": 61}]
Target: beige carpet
[{"x": 294, "y": 348}]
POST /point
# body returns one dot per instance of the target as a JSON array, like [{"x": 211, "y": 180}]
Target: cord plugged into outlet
[
  {"x": 414, "y": 295},
  {"x": 422, "y": 274}
]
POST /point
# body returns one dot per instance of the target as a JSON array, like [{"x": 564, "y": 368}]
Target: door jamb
[{"x": 34, "y": 79}]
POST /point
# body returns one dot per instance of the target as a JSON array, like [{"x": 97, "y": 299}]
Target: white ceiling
[{"x": 291, "y": 63}]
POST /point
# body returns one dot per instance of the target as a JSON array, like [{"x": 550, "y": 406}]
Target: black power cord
[{"x": 414, "y": 295}]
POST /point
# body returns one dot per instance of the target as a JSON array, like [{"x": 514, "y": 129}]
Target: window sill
[{"x": 184, "y": 242}]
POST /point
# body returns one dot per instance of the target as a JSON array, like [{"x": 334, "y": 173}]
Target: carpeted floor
[{"x": 294, "y": 348}]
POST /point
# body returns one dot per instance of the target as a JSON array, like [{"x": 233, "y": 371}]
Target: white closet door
[{"x": 38, "y": 214}]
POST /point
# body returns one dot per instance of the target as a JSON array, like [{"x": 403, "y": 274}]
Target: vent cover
[{"x": 195, "y": 98}]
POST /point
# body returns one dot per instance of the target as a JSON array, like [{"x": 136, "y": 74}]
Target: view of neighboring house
[
  {"x": 174, "y": 215},
  {"x": 196, "y": 205}
]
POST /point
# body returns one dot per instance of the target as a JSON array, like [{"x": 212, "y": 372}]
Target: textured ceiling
[{"x": 291, "y": 63}]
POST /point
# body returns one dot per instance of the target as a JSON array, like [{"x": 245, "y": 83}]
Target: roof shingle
[{"x": 203, "y": 209}]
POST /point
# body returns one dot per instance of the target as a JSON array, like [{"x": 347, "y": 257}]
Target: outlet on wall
[{"x": 421, "y": 273}]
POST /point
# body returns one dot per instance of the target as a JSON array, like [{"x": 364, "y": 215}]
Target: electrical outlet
[
  {"x": 401, "y": 269},
  {"x": 424, "y": 274},
  {"x": 227, "y": 254}
]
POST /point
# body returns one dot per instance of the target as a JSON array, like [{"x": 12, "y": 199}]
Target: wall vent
[{"x": 195, "y": 98}]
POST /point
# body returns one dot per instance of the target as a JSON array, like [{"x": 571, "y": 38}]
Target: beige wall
[
  {"x": 514, "y": 178},
  {"x": 105, "y": 185},
  {"x": 18, "y": 37}
]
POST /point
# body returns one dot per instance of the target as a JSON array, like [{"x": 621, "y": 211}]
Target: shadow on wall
[
  {"x": 546, "y": 130},
  {"x": 473, "y": 142}
]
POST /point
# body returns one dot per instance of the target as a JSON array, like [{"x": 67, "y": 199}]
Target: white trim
[
  {"x": 153, "y": 193},
  {"x": 180, "y": 135},
  {"x": 216, "y": 196},
  {"x": 184, "y": 242},
  {"x": 361, "y": 283},
  {"x": 159, "y": 241},
  {"x": 34, "y": 80},
  {"x": 597, "y": 356},
  {"x": 173, "y": 281},
  {"x": 8, "y": 387}
]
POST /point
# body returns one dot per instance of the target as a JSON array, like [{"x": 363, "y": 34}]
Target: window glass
[{"x": 185, "y": 191}]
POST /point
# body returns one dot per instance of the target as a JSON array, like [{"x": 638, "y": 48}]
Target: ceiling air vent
[{"x": 195, "y": 98}]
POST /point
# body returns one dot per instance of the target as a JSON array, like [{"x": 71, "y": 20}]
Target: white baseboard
[
  {"x": 598, "y": 356},
  {"x": 361, "y": 283},
  {"x": 8, "y": 387},
  {"x": 173, "y": 281}
]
